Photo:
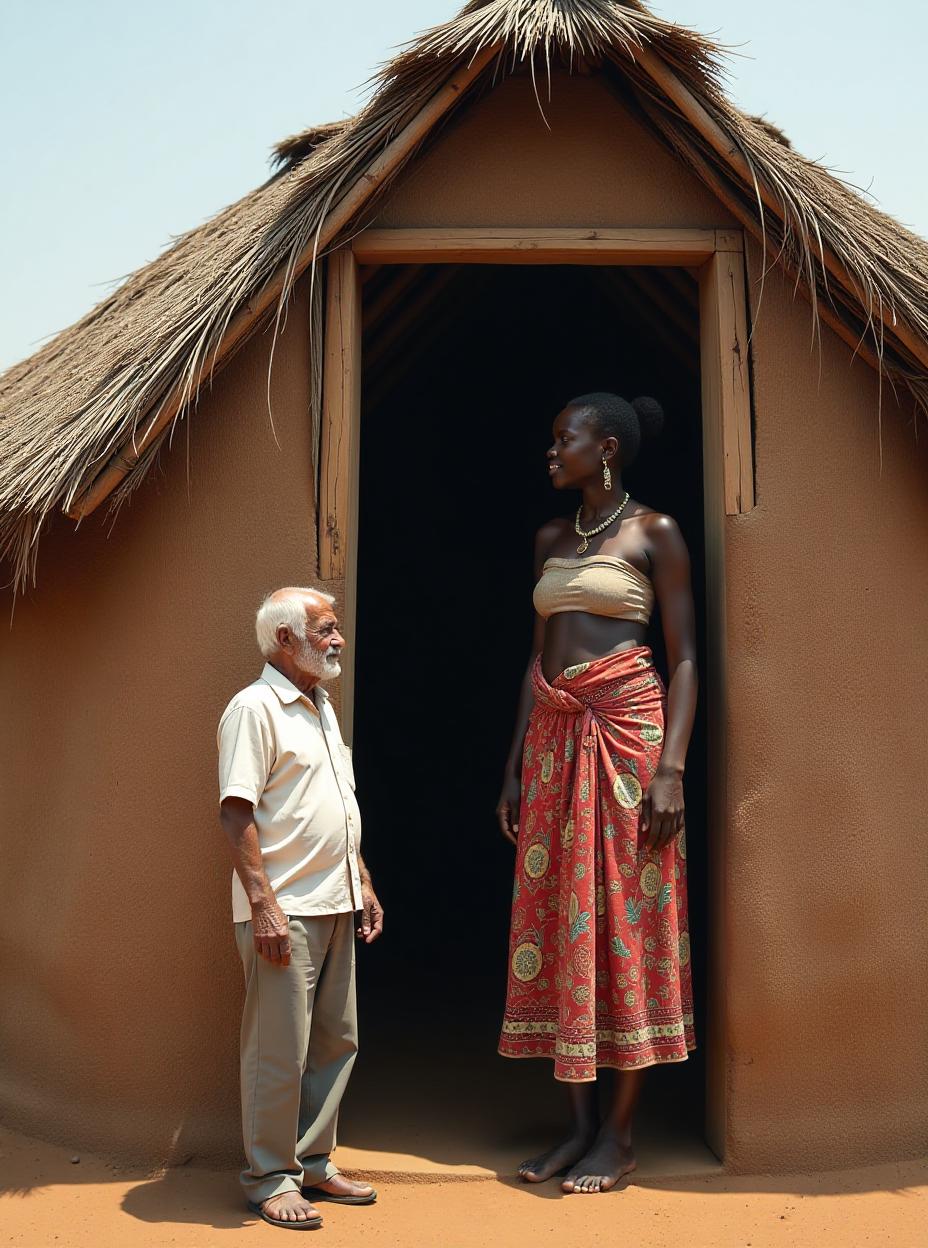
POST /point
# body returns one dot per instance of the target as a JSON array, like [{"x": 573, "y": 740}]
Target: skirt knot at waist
[{"x": 611, "y": 684}]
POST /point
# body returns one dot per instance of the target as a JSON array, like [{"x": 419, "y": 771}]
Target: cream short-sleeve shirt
[{"x": 282, "y": 751}]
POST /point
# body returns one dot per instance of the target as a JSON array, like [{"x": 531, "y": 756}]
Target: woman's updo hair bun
[
  {"x": 650, "y": 416},
  {"x": 614, "y": 417}
]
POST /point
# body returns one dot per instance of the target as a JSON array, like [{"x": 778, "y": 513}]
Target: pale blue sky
[{"x": 122, "y": 125}]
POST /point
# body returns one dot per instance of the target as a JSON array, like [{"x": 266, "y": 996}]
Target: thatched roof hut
[
  {"x": 542, "y": 198},
  {"x": 83, "y": 418}
]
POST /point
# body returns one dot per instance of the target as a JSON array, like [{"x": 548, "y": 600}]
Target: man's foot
[
  {"x": 539, "y": 1169},
  {"x": 342, "y": 1191},
  {"x": 288, "y": 1209},
  {"x": 602, "y": 1167}
]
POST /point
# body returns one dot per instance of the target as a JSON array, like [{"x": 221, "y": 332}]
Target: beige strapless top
[{"x": 598, "y": 584}]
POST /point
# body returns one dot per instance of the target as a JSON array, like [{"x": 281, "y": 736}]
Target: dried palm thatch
[
  {"x": 85, "y": 416},
  {"x": 292, "y": 151}
]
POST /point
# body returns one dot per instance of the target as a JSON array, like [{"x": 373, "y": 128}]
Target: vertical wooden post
[
  {"x": 725, "y": 274},
  {"x": 728, "y": 482},
  {"x": 339, "y": 452}
]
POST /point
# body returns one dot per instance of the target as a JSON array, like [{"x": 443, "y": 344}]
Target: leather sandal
[
  {"x": 316, "y": 1193},
  {"x": 306, "y": 1224}
]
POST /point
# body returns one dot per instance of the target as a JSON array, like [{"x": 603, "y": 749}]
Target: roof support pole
[
  {"x": 726, "y": 400},
  {"x": 339, "y": 452},
  {"x": 717, "y": 388}
]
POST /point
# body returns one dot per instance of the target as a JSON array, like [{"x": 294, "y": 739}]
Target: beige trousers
[{"x": 298, "y": 1045}]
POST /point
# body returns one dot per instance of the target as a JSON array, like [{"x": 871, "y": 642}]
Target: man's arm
[
  {"x": 371, "y": 910},
  {"x": 269, "y": 923}
]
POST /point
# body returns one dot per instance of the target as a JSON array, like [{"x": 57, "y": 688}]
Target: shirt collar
[{"x": 285, "y": 689}]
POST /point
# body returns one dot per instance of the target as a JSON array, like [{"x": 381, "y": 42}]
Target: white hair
[{"x": 284, "y": 606}]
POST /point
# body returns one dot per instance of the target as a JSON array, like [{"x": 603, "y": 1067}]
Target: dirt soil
[{"x": 46, "y": 1198}]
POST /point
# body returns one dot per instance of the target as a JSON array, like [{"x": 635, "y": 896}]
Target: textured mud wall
[
  {"x": 121, "y": 983},
  {"x": 591, "y": 164},
  {"x": 828, "y": 764}
]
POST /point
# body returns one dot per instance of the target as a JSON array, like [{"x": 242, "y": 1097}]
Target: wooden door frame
[{"x": 717, "y": 256}]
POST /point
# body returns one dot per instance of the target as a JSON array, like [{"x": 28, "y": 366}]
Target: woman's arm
[
  {"x": 507, "y": 808},
  {"x": 662, "y": 808}
]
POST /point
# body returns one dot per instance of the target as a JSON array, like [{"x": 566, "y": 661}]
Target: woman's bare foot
[
  {"x": 602, "y": 1167},
  {"x": 290, "y": 1207},
  {"x": 538, "y": 1169}
]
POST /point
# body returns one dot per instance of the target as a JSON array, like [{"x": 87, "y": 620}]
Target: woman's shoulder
[
  {"x": 661, "y": 533},
  {"x": 655, "y": 523}
]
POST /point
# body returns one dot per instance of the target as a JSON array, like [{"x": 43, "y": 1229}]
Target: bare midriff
[{"x": 573, "y": 637}]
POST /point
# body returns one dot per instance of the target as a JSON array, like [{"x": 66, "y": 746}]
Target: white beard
[{"x": 314, "y": 663}]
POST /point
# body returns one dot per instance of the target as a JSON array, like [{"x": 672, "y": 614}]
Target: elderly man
[{"x": 289, "y": 812}]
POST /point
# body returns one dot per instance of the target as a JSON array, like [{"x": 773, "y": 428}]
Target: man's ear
[{"x": 283, "y": 637}]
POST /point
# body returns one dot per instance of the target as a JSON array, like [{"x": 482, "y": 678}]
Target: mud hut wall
[
  {"x": 591, "y": 164},
  {"x": 827, "y": 582},
  {"x": 122, "y": 990}
]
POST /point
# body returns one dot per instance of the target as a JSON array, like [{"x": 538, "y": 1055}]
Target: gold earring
[{"x": 607, "y": 475}]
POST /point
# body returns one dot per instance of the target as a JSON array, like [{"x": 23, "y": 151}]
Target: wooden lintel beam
[{"x": 489, "y": 245}]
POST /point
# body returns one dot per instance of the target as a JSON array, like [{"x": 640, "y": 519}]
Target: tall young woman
[{"x": 599, "y": 957}]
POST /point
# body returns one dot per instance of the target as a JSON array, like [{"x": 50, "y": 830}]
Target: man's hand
[
  {"x": 271, "y": 932},
  {"x": 371, "y": 924}
]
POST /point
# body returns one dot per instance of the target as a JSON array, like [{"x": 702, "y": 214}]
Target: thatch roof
[
  {"x": 289, "y": 153},
  {"x": 85, "y": 415}
]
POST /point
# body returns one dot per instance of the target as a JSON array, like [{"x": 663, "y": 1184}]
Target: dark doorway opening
[{"x": 465, "y": 368}]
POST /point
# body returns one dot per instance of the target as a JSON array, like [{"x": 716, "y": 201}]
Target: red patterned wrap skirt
[{"x": 599, "y": 952}]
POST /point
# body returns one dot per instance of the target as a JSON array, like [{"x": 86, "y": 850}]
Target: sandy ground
[{"x": 46, "y": 1199}]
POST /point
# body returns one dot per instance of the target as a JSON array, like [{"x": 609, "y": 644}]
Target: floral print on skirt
[{"x": 599, "y": 953}]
